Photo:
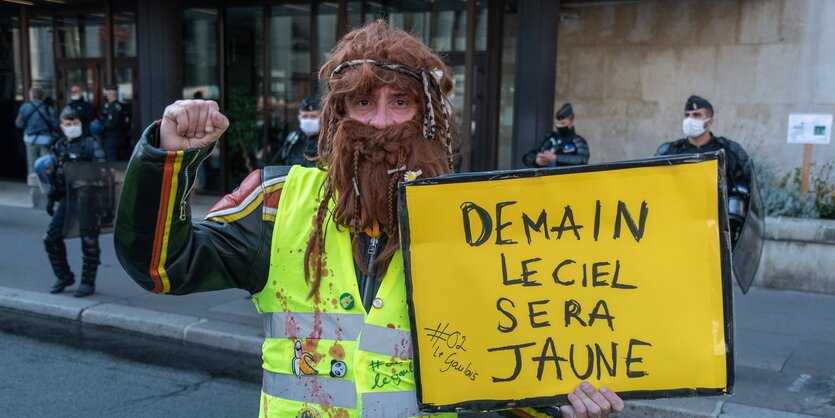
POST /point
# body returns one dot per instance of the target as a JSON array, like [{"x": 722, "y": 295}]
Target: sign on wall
[
  {"x": 522, "y": 284},
  {"x": 805, "y": 128}
]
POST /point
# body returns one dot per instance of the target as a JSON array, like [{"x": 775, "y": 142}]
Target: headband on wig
[{"x": 431, "y": 80}]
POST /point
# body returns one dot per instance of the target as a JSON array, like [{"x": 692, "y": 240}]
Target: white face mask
[
  {"x": 693, "y": 127},
  {"x": 72, "y": 132},
  {"x": 309, "y": 126},
  {"x": 75, "y": 97}
]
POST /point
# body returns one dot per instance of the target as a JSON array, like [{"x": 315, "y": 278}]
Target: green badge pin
[{"x": 347, "y": 301}]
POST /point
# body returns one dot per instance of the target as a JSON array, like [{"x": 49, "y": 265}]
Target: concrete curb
[
  {"x": 156, "y": 323},
  {"x": 212, "y": 333},
  {"x": 43, "y": 303},
  {"x": 226, "y": 335}
]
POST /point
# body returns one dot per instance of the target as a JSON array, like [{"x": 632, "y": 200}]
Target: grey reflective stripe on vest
[
  {"x": 345, "y": 327},
  {"x": 389, "y": 404},
  {"x": 311, "y": 389},
  {"x": 386, "y": 341}
]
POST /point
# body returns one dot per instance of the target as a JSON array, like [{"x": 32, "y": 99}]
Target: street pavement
[{"x": 784, "y": 340}]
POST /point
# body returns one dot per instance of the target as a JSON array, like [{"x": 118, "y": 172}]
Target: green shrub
[
  {"x": 824, "y": 191},
  {"x": 782, "y": 197}
]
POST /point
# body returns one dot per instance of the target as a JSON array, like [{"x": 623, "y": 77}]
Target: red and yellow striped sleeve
[{"x": 167, "y": 208}]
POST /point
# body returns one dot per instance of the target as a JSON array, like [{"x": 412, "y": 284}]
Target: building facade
[
  {"x": 259, "y": 59},
  {"x": 627, "y": 67}
]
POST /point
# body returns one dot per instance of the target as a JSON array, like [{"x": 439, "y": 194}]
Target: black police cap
[
  {"x": 309, "y": 103},
  {"x": 695, "y": 102},
  {"x": 565, "y": 111},
  {"x": 113, "y": 87}
]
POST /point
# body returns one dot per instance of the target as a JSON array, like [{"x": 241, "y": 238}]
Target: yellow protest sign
[{"x": 523, "y": 284}]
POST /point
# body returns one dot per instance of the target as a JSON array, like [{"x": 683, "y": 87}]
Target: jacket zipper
[
  {"x": 368, "y": 279},
  {"x": 190, "y": 187}
]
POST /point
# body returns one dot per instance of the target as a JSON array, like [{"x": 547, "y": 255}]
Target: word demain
[{"x": 477, "y": 219}]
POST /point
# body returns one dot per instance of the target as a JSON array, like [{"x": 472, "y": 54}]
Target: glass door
[
  {"x": 87, "y": 75},
  {"x": 125, "y": 76}
]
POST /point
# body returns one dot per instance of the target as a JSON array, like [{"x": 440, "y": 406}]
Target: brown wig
[{"x": 362, "y": 161}]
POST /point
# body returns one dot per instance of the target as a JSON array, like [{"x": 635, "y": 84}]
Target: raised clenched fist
[{"x": 189, "y": 124}]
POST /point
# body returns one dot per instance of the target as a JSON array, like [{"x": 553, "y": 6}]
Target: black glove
[{"x": 50, "y": 206}]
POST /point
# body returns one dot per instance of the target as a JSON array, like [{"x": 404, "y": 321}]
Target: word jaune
[{"x": 582, "y": 365}]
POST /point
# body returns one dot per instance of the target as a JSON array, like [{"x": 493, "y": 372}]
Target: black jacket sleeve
[
  {"x": 162, "y": 249},
  {"x": 581, "y": 156},
  {"x": 529, "y": 159},
  {"x": 743, "y": 169}
]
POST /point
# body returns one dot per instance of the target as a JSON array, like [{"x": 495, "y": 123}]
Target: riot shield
[
  {"x": 93, "y": 190},
  {"x": 748, "y": 248}
]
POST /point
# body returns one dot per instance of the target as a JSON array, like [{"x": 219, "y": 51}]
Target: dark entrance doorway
[
  {"x": 90, "y": 75},
  {"x": 84, "y": 73}
]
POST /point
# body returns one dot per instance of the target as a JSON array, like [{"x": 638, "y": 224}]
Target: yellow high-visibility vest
[{"x": 325, "y": 356}]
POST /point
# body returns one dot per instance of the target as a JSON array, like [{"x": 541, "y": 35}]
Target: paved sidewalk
[{"x": 784, "y": 341}]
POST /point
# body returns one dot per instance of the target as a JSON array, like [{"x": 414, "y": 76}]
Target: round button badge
[{"x": 346, "y": 300}]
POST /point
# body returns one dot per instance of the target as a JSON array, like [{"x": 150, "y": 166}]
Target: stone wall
[
  {"x": 628, "y": 69},
  {"x": 799, "y": 254}
]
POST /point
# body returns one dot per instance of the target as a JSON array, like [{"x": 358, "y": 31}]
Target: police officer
[
  {"x": 561, "y": 147},
  {"x": 82, "y": 108},
  {"x": 698, "y": 119},
  {"x": 116, "y": 119},
  {"x": 73, "y": 147},
  {"x": 300, "y": 145}
]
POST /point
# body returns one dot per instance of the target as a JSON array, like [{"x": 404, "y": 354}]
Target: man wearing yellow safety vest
[{"x": 318, "y": 247}]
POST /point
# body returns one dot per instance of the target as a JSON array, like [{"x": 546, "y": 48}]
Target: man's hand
[
  {"x": 545, "y": 157},
  {"x": 50, "y": 206},
  {"x": 588, "y": 402},
  {"x": 189, "y": 124}
]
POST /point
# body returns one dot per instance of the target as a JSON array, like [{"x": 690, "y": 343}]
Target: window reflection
[
  {"x": 508, "y": 77},
  {"x": 441, "y": 24},
  {"x": 200, "y": 52},
  {"x": 124, "y": 79},
  {"x": 326, "y": 29},
  {"x": 291, "y": 73},
  {"x": 201, "y": 78},
  {"x": 41, "y": 54},
  {"x": 80, "y": 36},
  {"x": 124, "y": 34},
  {"x": 244, "y": 101},
  {"x": 354, "y": 13},
  {"x": 11, "y": 74}
]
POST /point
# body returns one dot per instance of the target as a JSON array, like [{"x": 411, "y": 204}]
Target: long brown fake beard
[{"x": 364, "y": 168}]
